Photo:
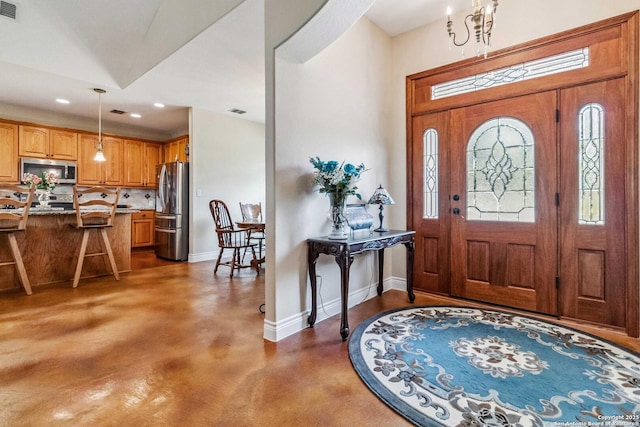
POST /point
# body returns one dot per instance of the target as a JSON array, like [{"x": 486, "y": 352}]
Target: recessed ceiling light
[
  {"x": 158, "y": 105},
  {"x": 135, "y": 115},
  {"x": 62, "y": 101}
]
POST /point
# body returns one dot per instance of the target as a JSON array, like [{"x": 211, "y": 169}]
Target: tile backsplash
[{"x": 136, "y": 198}]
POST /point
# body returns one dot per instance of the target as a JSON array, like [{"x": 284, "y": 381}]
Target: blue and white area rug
[{"x": 455, "y": 366}]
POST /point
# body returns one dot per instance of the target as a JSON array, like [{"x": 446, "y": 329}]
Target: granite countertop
[{"x": 61, "y": 211}]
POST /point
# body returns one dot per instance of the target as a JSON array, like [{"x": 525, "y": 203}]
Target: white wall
[
  {"x": 333, "y": 106},
  {"x": 227, "y": 162}
]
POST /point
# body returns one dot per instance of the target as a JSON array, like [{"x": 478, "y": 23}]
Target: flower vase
[
  {"x": 43, "y": 197},
  {"x": 338, "y": 219}
]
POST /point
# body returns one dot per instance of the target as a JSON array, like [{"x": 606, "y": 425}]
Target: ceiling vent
[
  {"x": 8, "y": 9},
  {"x": 237, "y": 111},
  {"x": 117, "y": 112}
]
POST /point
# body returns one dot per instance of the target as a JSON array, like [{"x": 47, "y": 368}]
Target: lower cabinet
[{"x": 142, "y": 228}]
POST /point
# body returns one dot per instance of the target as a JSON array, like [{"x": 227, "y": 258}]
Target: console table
[{"x": 343, "y": 251}]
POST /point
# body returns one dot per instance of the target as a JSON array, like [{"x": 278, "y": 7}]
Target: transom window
[{"x": 555, "y": 64}]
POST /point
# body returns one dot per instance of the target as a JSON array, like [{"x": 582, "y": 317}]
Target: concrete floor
[{"x": 174, "y": 346}]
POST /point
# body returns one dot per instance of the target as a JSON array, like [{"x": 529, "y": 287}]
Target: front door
[
  {"x": 503, "y": 177},
  {"x": 518, "y": 214}
]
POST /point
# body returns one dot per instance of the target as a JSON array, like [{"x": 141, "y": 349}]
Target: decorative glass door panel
[
  {"x": 501, "y": 172},
  {"x": 591, "y": 120},
  {"x": 504, "y": 218}
]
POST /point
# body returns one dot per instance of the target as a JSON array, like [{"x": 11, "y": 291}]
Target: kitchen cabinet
[
  {"x": 177, "y": 150},
  {"x": 63, "y": 144},
  {"x": 110, "y": 172},
  {"x": 141, "y": 158},
  {"x": 9, "y": 170},
  {"x": 45, "y": 143},
  {"x": 142, "y": 228},
  {"x": 152, "y": 159}
]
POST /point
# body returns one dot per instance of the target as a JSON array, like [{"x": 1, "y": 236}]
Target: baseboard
[
  {"x": 203, "y": 256},
  {"x": 296, "y": 323}
]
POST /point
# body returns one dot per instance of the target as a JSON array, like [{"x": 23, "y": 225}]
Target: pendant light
[{"x": 99, "y": 157}]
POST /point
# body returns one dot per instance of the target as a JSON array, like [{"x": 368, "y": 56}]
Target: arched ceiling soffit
[{"x": 329, "y": 23}]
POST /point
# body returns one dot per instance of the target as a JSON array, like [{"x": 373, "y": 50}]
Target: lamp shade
[
  {"x": 381, "y": 197},
  {"x": 99, "y": 157}
]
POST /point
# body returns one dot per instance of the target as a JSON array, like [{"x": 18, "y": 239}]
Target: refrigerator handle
[{"x": 162, "y": 186}]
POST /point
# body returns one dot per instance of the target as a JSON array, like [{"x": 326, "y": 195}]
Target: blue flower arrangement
[{"x": 337, "y": 179}]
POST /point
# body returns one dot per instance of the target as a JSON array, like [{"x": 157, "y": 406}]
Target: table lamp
[{"x": 381, "y": 197}]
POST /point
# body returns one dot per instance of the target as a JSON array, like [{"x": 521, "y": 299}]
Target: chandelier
[{"x": 482, "y": 19}]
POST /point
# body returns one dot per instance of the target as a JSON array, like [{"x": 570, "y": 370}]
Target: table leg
[
  {"x": 380, "y": 270},
  {"x": 312, "y": 257},
  {"x": 410, "y": 252},
  {"x": 344, "y": 260}
]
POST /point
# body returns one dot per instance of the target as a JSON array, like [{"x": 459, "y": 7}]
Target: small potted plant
[{"x": 43, "y": 183}]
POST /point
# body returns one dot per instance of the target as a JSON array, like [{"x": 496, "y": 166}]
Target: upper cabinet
[
  {"x": 130, "y": 162},
  {"x": 110, "y": 172},
  {"x": 63, "y": 144},
  {"x": 152, "y": 158},
  {"x": 141, "y": 158},
  {"x": 47, "y": 143},
  {"x": 9, "y": 171},
  {"x": 177, "y": 150}
]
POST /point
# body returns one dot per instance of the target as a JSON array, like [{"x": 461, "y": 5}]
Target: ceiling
[{"x": 205, "y": 56}]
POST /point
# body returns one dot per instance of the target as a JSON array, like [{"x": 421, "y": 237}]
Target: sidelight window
[
  {"x": 500, "y": 172},
  {"x": 591, "y": 164},
  {"x": 430, "y": 167}
]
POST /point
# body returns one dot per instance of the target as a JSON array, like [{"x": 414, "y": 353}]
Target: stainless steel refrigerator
[{"x": 172, "y": 211}]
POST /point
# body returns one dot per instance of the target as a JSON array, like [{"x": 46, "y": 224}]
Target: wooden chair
[
  {"x": 252, "y": 212},
  {"x": 14, "y": 219},
  {"x": 229, "y": 237},
  {"x": 95, "y": 212}
]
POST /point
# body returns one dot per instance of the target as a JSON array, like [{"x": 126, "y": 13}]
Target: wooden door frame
[{"x": 614, "y": 45}]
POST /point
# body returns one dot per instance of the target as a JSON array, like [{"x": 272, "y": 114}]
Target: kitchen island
[{"x": 50, "y": 247}]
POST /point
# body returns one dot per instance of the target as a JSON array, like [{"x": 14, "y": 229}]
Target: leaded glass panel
[
  {"x": 430, "y": 166},
  {"x": 555, "y": 64},
  {"x": 500, "y": 172},
  {"x": 591, "y": 164}
]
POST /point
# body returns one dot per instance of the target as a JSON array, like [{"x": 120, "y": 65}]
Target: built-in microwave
[{"x": 65, "y": 170}]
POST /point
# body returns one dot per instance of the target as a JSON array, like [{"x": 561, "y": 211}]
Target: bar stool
[
  {"x": 95, "y": 214},
  {"x": 10, "y": 222}
]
